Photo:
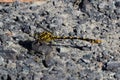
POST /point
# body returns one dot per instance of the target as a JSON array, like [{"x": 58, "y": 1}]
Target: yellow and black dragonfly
[{"x": 48, "y": 37}]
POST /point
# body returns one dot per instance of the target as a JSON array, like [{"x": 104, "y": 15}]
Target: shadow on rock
[
  {"x": 84, "y": 48},
  {"x": 26, "y": 44}
]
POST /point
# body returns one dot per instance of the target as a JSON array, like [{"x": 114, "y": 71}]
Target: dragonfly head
[{"x": 44, "y": 36}]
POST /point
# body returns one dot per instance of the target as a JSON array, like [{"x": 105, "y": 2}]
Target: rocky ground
[{"x": 22, "y": 58}]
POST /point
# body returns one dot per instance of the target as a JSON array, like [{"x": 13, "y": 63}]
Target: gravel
[
  {"x": 24, "y": 58},
  {"x": 113, "y": 66}
]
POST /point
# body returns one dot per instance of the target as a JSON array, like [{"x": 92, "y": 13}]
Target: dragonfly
[{"x": 48, "y": 37}]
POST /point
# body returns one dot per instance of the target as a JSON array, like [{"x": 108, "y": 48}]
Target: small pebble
[
  {"x": 1, "y": 24},
  {"x": 117, "y": 4},
  {"x": 117, "y": 76},
  {"x": 1, "y": 60},
  {"x": 113, "y": 66},
  {"x": 11, "y": 65},
  {"x": 62, "y": 49}
]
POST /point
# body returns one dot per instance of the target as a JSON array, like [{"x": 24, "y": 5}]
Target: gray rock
[
  {"x": 4, "y": 75},
  {"x": 11, "y": 65},
  {"x": 71, "y": 78},
  {"x": 117, "y": 11},
  {"x": 4, "y": 38},
  {"x": 88, "y": 74},
  {"x": 8, "y": 54},
  {"x": 42, "y": 47},
  {"x": 38, "y": 76},
  {"x": 117, "y": 76},
  {"x": 105, "y": 55},
  {"x": 87, "y": 61},
  {"x": 113, "y": 66},
  {"x": 58, "y": 73},
  {"x": 102, "y": 6},
  {"x": 86, "y": 7},
  {"x": 71, "y": 67},
  {"x": 1, "y": 7},
  {"x": 84, "y": 48},
  {"x": 1, "y": 60},
  {"x": 113, "y": 16},
  {"x": 49, "y": 60},
  {"x": 117, "y": 4},
  {"x": 26, "y": 28},
  {"x": 1, "y": 24},
  {"x": 62, "y": 49}
]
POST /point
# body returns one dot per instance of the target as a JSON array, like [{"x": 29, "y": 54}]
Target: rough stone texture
[
  {"x": 113, "y": 66},
  {"x": 22, "y": 58}
]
